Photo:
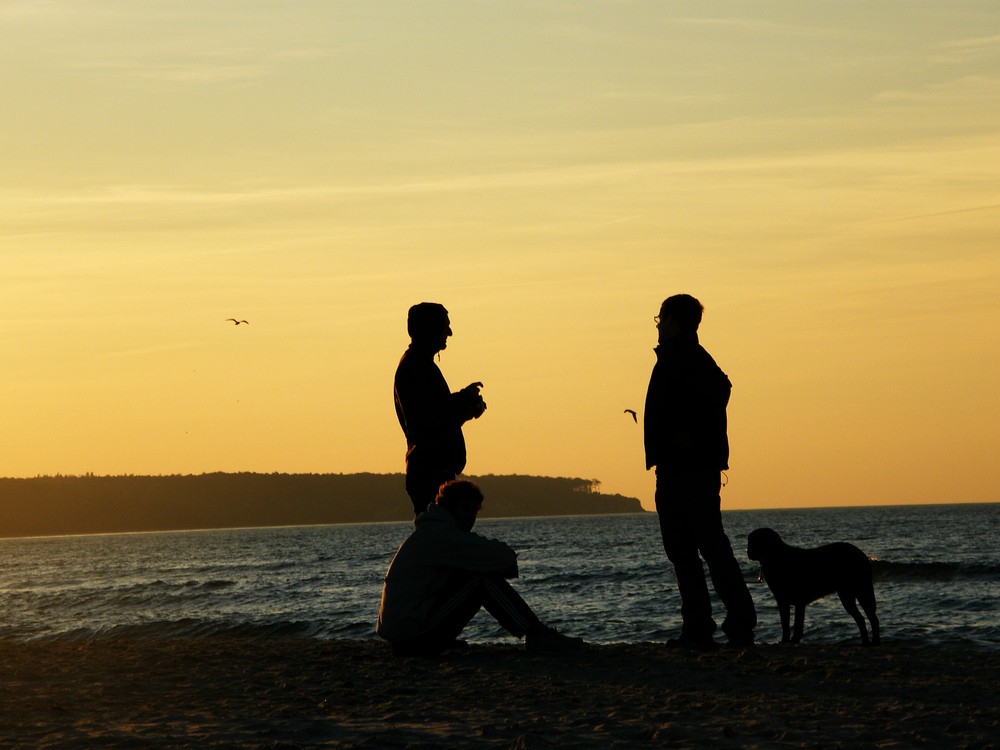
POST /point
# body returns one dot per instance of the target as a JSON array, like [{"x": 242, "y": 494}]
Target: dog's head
[{"x": 762, "y": 543}]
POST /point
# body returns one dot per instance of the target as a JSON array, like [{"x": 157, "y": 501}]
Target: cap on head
[{"x": 426, "y": 320}]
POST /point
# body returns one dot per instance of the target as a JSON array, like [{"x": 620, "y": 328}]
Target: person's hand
[{"x": 475, "y": 400}]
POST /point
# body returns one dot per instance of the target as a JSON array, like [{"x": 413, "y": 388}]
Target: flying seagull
[
  {"x": 634, "y": 417},
  {"x": 237, "y": 322}
]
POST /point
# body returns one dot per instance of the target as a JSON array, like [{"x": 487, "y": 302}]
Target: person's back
[
  {"x": 686, "y": 406},
  {"x": 443, "y": 574},
  {"x": 428, "y": 415},
  {"x": 435, "y": 554}
]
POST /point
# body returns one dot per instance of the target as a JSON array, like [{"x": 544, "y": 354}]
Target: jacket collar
[
  {"x": 676, "y": 343},
  {"x": 435, "y": 514},
  {"x": 422, "y": 350}
]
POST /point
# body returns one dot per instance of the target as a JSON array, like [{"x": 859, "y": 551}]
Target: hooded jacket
[
  {"x": 435, "y": 554},
  {"x": 685, "y": 422}
]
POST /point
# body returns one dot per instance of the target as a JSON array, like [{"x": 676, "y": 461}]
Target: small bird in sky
[
  {"x": 634, "y": 417},
  {"x": 237, "y": 322}
]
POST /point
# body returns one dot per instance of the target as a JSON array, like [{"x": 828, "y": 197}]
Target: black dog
[{"x": 800, "y": 576}]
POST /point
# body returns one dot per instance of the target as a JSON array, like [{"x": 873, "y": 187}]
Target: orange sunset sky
[{"x": 825, "y": 177}]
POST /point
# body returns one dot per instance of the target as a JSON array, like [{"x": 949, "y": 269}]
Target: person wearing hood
[
  {"x": 430, "y": 415},
  {"x": 685, "y": 434},
  {"x": 443, "y": 574}
]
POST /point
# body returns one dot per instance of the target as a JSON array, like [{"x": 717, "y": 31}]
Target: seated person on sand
[{"x": 441, "y": 576}]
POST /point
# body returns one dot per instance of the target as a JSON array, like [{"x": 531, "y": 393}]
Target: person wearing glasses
[{"x": 686, "y": 441}]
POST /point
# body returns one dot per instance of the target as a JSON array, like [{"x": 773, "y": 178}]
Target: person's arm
[
  {"x": 670, "y": 420},
  {"x": 468, "y": 403},
  {"x": 474, "y": 553},
  {"x": 426, "y": 404}
]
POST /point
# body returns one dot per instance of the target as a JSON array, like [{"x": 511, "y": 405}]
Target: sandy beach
[{"x": 292, "y": 693}]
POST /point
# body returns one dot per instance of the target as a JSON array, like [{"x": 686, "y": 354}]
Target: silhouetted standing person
[
  {"x": 429, "y": 413},
  {"x": 686, "y": 440}
]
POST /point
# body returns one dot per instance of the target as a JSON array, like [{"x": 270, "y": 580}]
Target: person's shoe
[
  {"x": 741, "y": 640},
  {"x": 702, "y": 643},
  {"x": 740, "y": 636},
  {"x": 545, "y": 640}
]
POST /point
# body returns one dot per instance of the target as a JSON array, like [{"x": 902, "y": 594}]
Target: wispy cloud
[
  {"x": 935, "y": 214},
  {"x": 982, "y": 42},
  {"x": 969, "y": 49},
  {"x": 143, "y": 351},
  {"x": 970, "y": 88},
  {"x": 205, "y": 71},
  {"x": 33, "y": 10},
  {"x": 822, "y": 159}
]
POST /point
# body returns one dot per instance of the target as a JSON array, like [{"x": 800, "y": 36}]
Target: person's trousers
[
  {"x": 688, "y": 504},
  {"x": 423, "y": 486},
  {"x": 459, "y": 603}
]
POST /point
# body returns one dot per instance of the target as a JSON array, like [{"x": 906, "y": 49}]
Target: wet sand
[{"x": 300, "y": 693}]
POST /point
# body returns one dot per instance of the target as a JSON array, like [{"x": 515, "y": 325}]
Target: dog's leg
[
  {"x": 800, "y": 619},
  {"x": 867, "y": 600},
  {"x": 785, "y": 630},
  {"x": 847, "y": 599}
]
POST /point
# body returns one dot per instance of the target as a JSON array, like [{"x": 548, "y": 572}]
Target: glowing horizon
[{"x": 827, "y": 185}]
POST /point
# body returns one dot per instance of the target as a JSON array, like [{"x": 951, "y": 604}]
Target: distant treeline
[{"x": 55, "y": 505}]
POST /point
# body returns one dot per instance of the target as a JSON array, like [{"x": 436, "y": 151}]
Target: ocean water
[{"x": 605, "y": 578}]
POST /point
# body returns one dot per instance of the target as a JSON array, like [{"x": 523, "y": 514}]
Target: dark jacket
[
  {"x": 685, "y": 414},
  {"x": 430, "y": 414},
  {"x": 427, "y": 563}
]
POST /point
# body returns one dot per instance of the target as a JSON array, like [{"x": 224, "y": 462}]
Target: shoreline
[{"x": 288, "y": 692}]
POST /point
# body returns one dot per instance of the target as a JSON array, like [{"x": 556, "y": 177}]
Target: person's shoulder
[
  {"x": 417, "y": 357},
  {"x": 702, "y": 353},
  {"x": 435, "y": 518},
  {"x": 411, "y": 361}
]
